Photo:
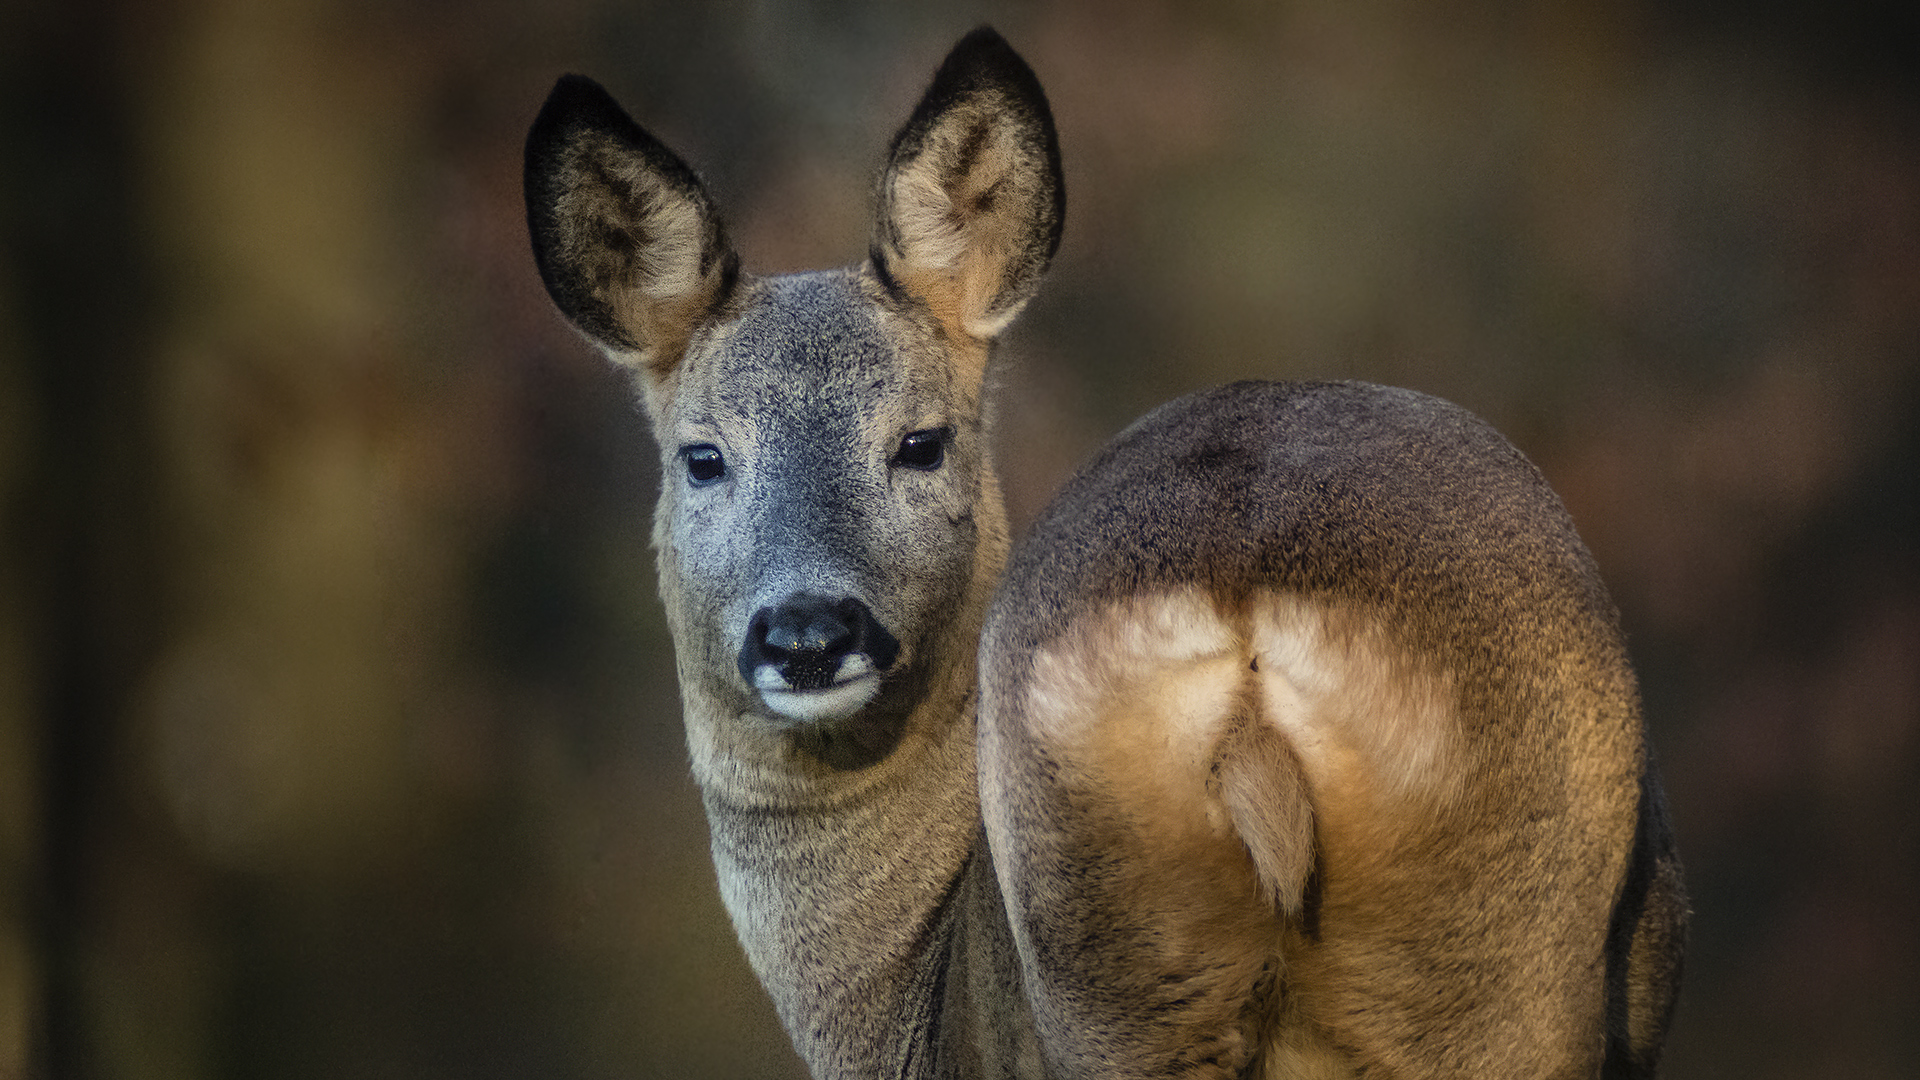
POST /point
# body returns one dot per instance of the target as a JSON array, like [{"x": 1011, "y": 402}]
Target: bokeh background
[{"x": 338, "y": 732}]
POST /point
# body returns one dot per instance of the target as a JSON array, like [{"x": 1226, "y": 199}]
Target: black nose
[{"x": 807, "y": 638}]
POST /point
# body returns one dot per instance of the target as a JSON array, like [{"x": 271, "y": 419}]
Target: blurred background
[{"x": 338, "y": 731}]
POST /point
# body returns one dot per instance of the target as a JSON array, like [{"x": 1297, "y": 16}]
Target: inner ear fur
[
  {"x": 971, "y": 201},
  {"x": 627, "y": 241}
]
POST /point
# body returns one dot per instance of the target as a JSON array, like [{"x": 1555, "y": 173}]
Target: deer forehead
[{"x": 814, "y": 349}]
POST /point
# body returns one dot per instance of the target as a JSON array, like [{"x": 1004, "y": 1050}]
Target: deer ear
[
  {"x": 627, "y": 241},
  {"x": 971, "y": 201}
]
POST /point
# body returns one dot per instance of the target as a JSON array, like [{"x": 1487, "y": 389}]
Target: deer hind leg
[{"x": 1153, "y": 837}]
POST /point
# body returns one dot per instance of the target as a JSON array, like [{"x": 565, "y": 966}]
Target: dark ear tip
[
  {"x": 982, "y": 38},
  {"x": 983, "y": 55},
  {"x": 570, "y": 92},
  {"x": 576, "y": 102}
]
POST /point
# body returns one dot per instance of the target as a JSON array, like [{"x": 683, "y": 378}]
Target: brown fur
[
  {"x": 1306, "y": 742},
  {"x": 1429, "y": 645}
]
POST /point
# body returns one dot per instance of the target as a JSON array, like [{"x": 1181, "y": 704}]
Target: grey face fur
[{"x": 809, "y": 397}]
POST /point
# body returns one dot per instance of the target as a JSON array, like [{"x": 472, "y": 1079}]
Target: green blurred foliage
[{"x": 338, "y": 733}]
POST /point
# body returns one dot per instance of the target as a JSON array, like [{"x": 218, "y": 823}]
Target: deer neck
[{"x": 853, "y": 900}]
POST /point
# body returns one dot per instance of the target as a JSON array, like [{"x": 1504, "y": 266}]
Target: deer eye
[
  {"x": 923, "y": 450},
  {"x": 704, "y": 464}
]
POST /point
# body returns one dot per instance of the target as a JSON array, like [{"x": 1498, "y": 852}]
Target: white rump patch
[
  {"x": 1363, "y": 716},
  {"x": 1173, "y": 648},
  {"x": 1151, "y": 703},
  {"x": 1283, "y": 727}
]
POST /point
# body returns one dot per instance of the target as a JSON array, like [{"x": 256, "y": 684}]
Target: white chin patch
[
  {"x": 854, "y": 685},
  {"x": 836, "y": 702}
]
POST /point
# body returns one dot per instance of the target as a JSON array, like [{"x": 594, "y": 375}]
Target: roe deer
[{"x": 1299, "y": 738}]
